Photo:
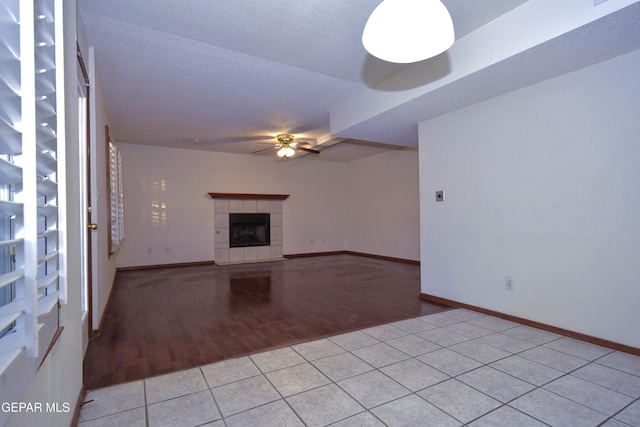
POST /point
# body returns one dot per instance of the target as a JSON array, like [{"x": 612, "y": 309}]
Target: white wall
[
  {"x": 542, "y": 185},
  {"x": 383, "y": 212},
  {"x": 369, "y": 205},
  {"x": 166, "y": 209},
  {"x": 104, "y": 265}
]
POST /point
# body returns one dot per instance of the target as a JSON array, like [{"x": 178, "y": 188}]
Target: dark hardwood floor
[{"x": 169, "y": 319}]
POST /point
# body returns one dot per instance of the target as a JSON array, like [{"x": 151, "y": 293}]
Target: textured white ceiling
[{"x": 225, "y": 75}]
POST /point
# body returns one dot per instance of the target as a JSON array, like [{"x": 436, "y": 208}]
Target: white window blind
[
  {"x": 32, "y": 264},
  {"x": 116, "y": 202}
]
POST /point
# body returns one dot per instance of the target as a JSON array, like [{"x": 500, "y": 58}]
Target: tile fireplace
[{"x": 247, "y": 227}]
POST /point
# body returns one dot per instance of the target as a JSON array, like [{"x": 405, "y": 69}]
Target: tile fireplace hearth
[{"x": 232, "y": 203}]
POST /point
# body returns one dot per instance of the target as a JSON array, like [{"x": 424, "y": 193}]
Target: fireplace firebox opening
[{"x": 249, "y": 229}]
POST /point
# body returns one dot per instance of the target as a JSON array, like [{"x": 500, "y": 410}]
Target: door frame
[{"x": 83, "y": 79}]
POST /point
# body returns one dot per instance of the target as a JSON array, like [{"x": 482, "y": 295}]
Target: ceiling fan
[{"x": 286, "y": 147}]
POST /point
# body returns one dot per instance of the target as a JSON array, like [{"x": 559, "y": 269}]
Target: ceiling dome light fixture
[{"x": 405, "y": 31}]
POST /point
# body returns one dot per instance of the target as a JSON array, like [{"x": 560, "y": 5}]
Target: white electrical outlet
[{"x": 508, "y": 283}]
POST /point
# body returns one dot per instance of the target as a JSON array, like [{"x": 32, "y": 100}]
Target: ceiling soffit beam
[
  {"x": 322, "y": 142},
  {"x": 516, "y": 32},
  {"x": 327, "y": 140}
]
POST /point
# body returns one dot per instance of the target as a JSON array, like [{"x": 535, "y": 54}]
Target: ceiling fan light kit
[
  {"x": 286, "y": 148},
  {"x": 286, "y": 152},
  {"x": 405, "y": 31},
  {"x": 286, "y": 144}
]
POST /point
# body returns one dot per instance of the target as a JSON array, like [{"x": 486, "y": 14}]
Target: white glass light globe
[
  {"x": 405, "y": 31},
  {"x": 286, "y": 152}
]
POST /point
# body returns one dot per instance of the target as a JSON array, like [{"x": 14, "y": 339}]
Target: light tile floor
[{"x": 448, "y": 369}]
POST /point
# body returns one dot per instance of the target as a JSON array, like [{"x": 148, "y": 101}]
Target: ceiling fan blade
[
  {"x": 262, "y": 151},
  {"x": 308, "y": 150},
  {"x": 247, "y": 138}
]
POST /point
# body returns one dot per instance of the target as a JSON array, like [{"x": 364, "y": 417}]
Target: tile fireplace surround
[{"x": 226, "y": 203}]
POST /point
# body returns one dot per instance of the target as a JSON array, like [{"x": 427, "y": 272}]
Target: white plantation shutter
[
  {"x": 32, "y": 262},
  {"x": 120, "y": 199},
  {"x": 116, "y": 202},
  {"x": 113, "y": 195}
]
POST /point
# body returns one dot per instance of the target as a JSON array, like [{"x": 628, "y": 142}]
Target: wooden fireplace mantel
[{"x": 243, "y": 196}]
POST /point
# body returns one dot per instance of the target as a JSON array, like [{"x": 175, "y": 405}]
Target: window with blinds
[
  {"x": 32, "y": 195},
  {"x": 119, "y": 198},
  {"x": 116, "y": 202}
]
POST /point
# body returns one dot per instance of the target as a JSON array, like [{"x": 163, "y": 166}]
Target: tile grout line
[
  {"x": 210, "y": 389},
  {"x": 146, "y": 407},
  {"x": 278, "y": 391}
]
